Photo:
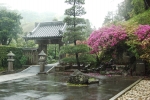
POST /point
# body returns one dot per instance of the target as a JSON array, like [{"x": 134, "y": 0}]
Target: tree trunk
[
  {"x": 147, "y": 4},
  {"x": 9, "y": 40},
  {"x": 97, "y": 60},
  {"x": 4, "y": 41},
  {"x": 55, "y": 52},
  {"x": 77, "y": 57}
]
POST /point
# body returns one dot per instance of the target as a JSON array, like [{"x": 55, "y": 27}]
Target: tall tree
[
  {"x": 108, "y": 18},
  {"x": 125, "y": 8},
  {"x": 112, "y": 18},
  {"x": 9, "y": 26},
  {"x": 76, "y": 28},
  {"x": 88, "y": 28},
  {"x": 130, "y": 8},
  {"x": 147, "y": 4},
  {"x": 138, "y": 6}
]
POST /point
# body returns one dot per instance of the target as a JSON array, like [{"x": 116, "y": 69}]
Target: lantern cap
[
  {"x": 10, "y": 54},
  {"x": 42, "y": 53}
]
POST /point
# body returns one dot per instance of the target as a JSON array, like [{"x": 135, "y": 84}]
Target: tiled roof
[{"x": 47, "y": 30}]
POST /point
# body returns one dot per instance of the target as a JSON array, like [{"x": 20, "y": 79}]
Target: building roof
[{"x": 46, "y": 30}]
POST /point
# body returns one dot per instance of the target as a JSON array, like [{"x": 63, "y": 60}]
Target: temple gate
[{"x": 46, "y": 33}]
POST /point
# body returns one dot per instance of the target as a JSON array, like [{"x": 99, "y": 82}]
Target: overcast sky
[{"x": 96, "y": 9}]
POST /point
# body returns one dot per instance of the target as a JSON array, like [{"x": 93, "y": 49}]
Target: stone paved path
[
  {"x": 30, "y": 71},
  {"x": 15, "y": 76}
]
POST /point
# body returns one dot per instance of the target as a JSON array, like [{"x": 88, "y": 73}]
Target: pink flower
[
  {"x": 106, "y": 37},
  {"x": 143, "y": 32}
]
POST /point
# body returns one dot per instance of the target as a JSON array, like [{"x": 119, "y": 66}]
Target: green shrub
[
  {"x": 4, "y": 50},
  {"x": 23, "y": 60},
  {"x": 142, "y": 18}
]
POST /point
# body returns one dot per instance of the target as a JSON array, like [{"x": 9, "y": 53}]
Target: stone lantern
[
  {"x": 10, "y": 60},
  {"x": 42, "y": 59}
]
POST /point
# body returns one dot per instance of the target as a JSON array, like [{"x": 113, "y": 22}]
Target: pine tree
[{"x": 74, "y": 32}]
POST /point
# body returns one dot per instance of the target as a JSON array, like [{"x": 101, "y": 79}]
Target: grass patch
[{"x": 78, "y": 85}]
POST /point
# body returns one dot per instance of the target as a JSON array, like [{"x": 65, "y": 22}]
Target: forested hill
[
  {"x": 130, "y": 10},
  {"x": 30, "y": 17}
]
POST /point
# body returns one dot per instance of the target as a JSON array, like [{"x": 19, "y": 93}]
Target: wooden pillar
[
  {"x": 60, "y": 56},
  {"x": 34, "y": 57},
  {"x": 42, "y": 47}
]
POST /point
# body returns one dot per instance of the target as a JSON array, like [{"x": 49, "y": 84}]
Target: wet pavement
[
  {"x": 28, "y": 72},
  {"x": 54, "y": 87},
  {"x": 15, "y": 76}
]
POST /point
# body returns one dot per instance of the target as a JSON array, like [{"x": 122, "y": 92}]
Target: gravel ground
[{"x": 140, "y": 91}]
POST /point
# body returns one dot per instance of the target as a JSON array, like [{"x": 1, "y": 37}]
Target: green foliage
[
  {"x": 142, "y": 18},
  {"x": 69, "y": 59},
  {"x": 76, "y": 25},
  {"x": 87, "y": 58},
  {"x": 138, "y": 6},
  {"x": 83, "y": 59},
  {"x": 2, "y": 69},
  {"x": 29, "y": 43},
  {"x": 132, "y": 41},
  {"x": 70, "y": 20},
  {"x": 78, "y": 85},
  {"x": 82, "y": 50},
  {"x": 20, "y": 42},
  {"x": 73, "y": 49},
  {"x": 76, "y": 9},
  {"x": 50, "y": 60},
  {"x": 103, "y": 72},
  {"x": 23, "y": 60},
  {"x": 75, "y": 31},
  {"x": 9, "y": 26},
  {"x": 4, "y": 50},
  {"x": 88, "y": 28},
  {"x": 108, "y": 18},
  {"x": 66, "y": 49},
  {"x": 125, "y": 9},
  {"x": 53, "y": 51},
  {"x": 130, "y": 8}
]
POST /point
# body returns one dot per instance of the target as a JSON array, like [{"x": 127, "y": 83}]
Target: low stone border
[
  {"x": 51, "y": 70},
  {"x": 140, "y": 91},
  {"x": 124, "y": 91}
]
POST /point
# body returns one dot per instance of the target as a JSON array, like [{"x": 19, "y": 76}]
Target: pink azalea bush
[
  {"x": 106, "y": 37},
  {"x": 143, "y": 32}
]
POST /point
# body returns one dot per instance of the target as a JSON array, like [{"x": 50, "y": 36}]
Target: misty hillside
[{"x": 30, "y": 17}]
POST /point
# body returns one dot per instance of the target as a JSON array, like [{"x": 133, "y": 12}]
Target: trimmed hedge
[{"x": 4, "y": 50}]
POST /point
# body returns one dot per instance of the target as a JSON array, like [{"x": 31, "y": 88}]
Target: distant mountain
[
  {"x": 30, "y": 17},
  {"x": 28, "y": 27}
]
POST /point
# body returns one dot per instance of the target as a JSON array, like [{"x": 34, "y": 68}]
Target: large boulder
[{"x": 78, "y": 77}]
